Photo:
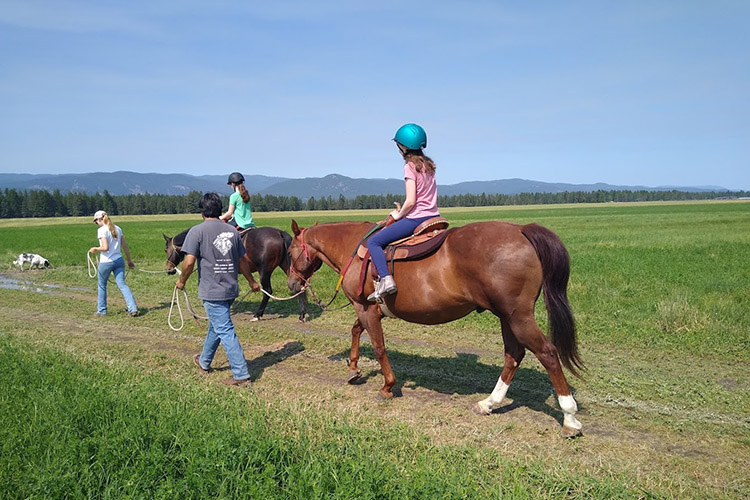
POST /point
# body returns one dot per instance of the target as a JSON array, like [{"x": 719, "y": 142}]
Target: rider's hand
[{"x": 395, "y": 214}]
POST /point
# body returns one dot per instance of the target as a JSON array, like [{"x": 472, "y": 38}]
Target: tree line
[{"x": 19, "y": 204}]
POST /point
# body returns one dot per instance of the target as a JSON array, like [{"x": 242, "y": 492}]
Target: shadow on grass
[
  {"x": 275, "y": 309},
  {"x": 269, "y": 358},
  {"x": 257, "y": 366},
  {"x": 462, "y": 374}
]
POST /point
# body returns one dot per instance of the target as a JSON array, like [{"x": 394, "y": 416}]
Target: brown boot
[
  {"x": 197, "y": 362},
  {"x": 236, "y": 383}
]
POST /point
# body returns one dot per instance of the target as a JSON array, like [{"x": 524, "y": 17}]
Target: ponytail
[
  {"x": 243, "y": 193},
  {"x": 110, "y": 225}
]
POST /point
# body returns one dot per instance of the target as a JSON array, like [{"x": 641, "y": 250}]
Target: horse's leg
[
  {"x": 514, "y": 353},
  {"x": 354, "y": 371},
  {"x": 302, "y": 299},
  {"x": 529, "y": 334},
  {"x": 265, "y": 283},
  {"x": 370, "y": 320}
]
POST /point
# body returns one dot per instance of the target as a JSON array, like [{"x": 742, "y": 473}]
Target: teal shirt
[{"x": 243, "y": 215}]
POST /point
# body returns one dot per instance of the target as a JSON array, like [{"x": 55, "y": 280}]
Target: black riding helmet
[{"x": 236, "y": 178}]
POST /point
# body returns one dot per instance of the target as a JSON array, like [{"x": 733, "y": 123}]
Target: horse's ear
[
  {"x": 295, "y": 228},
  {"x": 316, "y": 223},
  {"x": 166, "y": 238}
]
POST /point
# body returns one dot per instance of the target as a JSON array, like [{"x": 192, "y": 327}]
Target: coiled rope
[{"x": 176, "y": 300}]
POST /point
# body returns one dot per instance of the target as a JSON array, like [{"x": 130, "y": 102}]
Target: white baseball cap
[{"x": 99, "y": 214}]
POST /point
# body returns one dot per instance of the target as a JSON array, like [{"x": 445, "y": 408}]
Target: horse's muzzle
[{"x": 294, "y": 285}]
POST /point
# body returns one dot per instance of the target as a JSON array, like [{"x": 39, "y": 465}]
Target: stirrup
[{"x": 383, "y": 287}]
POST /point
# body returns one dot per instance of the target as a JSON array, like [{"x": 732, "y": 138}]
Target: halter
[
  {"x": 173, "y": 251},
  {"x": 293, "y": 270}
]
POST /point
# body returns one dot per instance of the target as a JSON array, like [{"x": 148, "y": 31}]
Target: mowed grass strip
[{"x": 76, "y": 429}]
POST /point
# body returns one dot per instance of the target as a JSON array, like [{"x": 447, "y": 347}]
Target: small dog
[{"x": 34, "y": 260}]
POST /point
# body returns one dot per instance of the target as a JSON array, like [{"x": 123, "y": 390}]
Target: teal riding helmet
[{"x": 411, "y": 136}]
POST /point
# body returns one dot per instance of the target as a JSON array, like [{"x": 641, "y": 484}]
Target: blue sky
[{"x": 639, "y": 93}]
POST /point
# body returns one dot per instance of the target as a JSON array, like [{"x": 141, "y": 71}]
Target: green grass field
[{"x": 111, "y": 407}]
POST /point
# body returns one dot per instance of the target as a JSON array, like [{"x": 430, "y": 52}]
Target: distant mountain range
[{"x": 333, "y": 185}]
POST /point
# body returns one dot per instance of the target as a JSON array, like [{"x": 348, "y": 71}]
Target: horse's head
[
  {"x": 304, "y": 259},
  {"x": 174, "y": 256}
]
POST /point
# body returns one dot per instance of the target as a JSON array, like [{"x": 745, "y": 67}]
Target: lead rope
[
  {"x": 273, "y": 296},
  {"x": 92, "y": 267},
  {"x": 176, "y": 300}
]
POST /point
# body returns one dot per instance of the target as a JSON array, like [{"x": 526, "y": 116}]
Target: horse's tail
[{"x": 555, "y": 273}]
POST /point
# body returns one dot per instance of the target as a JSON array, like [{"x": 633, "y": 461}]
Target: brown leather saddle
[{"x": 424, "y": 241}]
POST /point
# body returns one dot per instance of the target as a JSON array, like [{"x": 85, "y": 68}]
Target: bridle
[
  {"x": 293, "y": 269},
  {"x": 306, "y": 281},
  {"x": 173, "y": 256}
]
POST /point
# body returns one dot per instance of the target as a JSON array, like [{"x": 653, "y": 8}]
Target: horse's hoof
[
  {"x": 481, "y": 410},
  {"x": 385, "y": 395},
  {"x": 354, "y": 375},
  {"x": 570, "y": 432}
]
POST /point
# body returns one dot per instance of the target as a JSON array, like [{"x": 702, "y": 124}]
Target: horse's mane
[
  {"x": 179, "y": 239},
  {"x": 287, "y": 243}
]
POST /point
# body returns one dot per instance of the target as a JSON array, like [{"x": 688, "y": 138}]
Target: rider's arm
[
  {"x": 187, "y": 270},
  {"x": 228, "y": 214},
  {"x": 411, "y": 199}
]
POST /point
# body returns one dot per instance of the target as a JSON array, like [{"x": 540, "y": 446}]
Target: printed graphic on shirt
[{"x": 223, "y": 243}]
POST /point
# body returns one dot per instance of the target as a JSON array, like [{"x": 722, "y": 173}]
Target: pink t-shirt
[{"x": 426, "y": 204}]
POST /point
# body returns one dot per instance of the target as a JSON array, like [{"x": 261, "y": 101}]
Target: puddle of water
[{"x": 28, "y": 286}]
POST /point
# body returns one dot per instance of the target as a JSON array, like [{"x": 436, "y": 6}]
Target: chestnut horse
[
  {"x": 495, "y": 266},
  {"x": 267, "y": 248}
]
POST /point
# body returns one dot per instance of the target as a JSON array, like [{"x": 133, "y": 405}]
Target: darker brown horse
[
  {"x": 495, "y": 266},
  {"x": 267, "y": 248}
]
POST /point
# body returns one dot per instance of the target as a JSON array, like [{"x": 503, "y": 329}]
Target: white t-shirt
[{"x": 114, "y": 244}]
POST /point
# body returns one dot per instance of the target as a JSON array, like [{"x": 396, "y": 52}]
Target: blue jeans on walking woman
[
  {"x": 118, "y": 268},
  {"x": 221, "y": 330}
]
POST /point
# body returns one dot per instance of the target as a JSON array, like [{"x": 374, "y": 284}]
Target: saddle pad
[
  {"x": 426, "y": 230},
  {"x": 425, "y": 244},
  {"x": 417, "y": 246}
]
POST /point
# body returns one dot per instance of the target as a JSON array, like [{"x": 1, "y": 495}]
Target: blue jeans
[
  {"x": 378, "y": 241},
  {"x": 221, "y": 330},
  {"x": 118, "y": 268}
]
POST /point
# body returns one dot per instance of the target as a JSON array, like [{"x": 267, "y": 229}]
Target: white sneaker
[{"x": 386, "y": 286}]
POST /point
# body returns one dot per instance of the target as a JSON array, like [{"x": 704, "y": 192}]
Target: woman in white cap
[{"x": 111, "y": 245}]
